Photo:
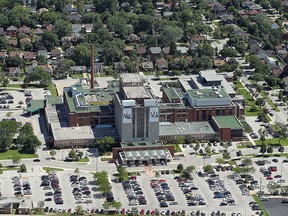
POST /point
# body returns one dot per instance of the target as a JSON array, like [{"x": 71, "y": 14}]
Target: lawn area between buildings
[
  {"x": 10, "y": 153},
  {"x": 177, "y": 148},
  {"x": 270, "y": 102},
  {"x": 273, "y": 141}
]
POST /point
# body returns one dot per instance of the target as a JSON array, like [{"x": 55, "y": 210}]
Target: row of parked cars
[
  {"x": 21, "y": 188},
  {"x": 188, "y": 187},
  {"x": 220, "y": 191},
  {"x": 50, "y": 182},
  {"x": 81, "y": 190},
  {"x": 162, "y": 192},
  {"x": 134, "y": 192}
]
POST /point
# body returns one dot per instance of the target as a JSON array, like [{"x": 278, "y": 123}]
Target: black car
[
  {"x": 163, "y": 204},
  {"x": 50, "y": 193},
  {"x": 36, "y": 160},
  {"x": 48, "y": 199}
]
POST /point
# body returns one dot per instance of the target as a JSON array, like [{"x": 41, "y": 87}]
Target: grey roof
[{"x": 155, "y": 50}]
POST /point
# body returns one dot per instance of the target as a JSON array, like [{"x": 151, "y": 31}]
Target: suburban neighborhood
[{"x": 155, "y": 107}]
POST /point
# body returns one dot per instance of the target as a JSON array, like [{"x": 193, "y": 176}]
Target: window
[{"x": 217, "y": 111}]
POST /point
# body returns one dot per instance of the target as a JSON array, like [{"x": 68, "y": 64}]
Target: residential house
[
  {"x": 70, "y": 8},
  {"x": 167, "y": 13},
  {"x": 155, "y": 50},
  {"x": 218, "y": 62},
  {"x": 218, "y": 8},
  {"x": 28, "y": 56},
  {"x": 56, "y": 53},
  {"x": 161, "y": 64},
  {"x": 197, "y": 38},
  {"x": 74, "y": 17},
  {"x": 147, "y": 66},
  {"x": 127, "y": 49},
  {"x": 13, "y": 42},
  {"x": 25, "y": 30},
  {"x": 160, "y": 5},
  {"x": 15, "y": 54},
  {"x": 285, "y": 84},
  {"x": 193, "y": 45},
  {"x": 88, "y": 28},
  {"x": 277, "y": 72},
  {"x": 42, "y": 10},
  {"x": 226, "y": 18},
  {"x": 120, "y": 66},
  {"x": 25, "y": 40},
  {"x": 99, "y": 67},
  {"x": 269, "y": 60},
  {"x": 76, "y": 28},
  {"x": 88, "y": 8},
  {"x": 247, "y": 4},
  {"x": 282, "y": 53},
  {"x": 274, "y": 26},
  {"x": 69, "y": 51},
  {"x": 254, "y": 46},
  {"x": 66, "y": 41},
  {"x": 3, "y": 55},
  {"x": 132, "y": 38},
  {"x": 141, "y": 51},
  {"x": 166, "y": 50},
  {"x": 14, "y": 71},
  {"x": 11, "y": 31},
  {"x": 78, "y": 69},
  {"x": 43, "y": 53},
  {"x": 38, "y": 31},
  {"x": 47, "y": 68},
  {"x": 182, "y": 50},
  {"x": 49, "y": 27}
]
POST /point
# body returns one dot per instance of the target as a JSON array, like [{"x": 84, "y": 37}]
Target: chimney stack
[{"x": 92, "y": 68}]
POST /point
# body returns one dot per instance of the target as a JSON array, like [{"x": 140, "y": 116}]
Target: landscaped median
[
  {"x": 273, "y": 141},
  {"x": 269, "y": 101},
  {"x": 8, "y": 155},
  {"x": 8, "y": 168},
  {"x": 258, "y": 201},
  {"x": 51, "y": 169}
]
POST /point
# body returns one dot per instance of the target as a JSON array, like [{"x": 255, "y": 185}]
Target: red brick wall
[{"x": 225, "y": 134}]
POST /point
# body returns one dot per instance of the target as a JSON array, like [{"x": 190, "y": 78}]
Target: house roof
[
  {"x": 28, "y": 55},
  {"x": 166, "y": 50},
  {"x": 162, "y": 63},
  {"x": 197, "y": 38},
  {"x": 55, "y": 52},
  {"x": 181, "y": 49},
  {"x": 147, "y": 65},
  {"x": 12, "y": 28},
  {"x": 141, "y": 50},
  {"x": 155, "y": 50}
]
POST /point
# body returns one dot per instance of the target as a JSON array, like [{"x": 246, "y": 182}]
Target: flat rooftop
[
  {"x": 136, "y": 92},
  {"x": 208, "y": 93},
  {"x": 35, "y": 106},
  {"x": 173, "y": 93},
  {"x": 210, "y": 75},
  {"x": 130, "y": 78},
  {"x": 146, "y": 154},
  {"x": 227, "y": 122},
  {"x": 53, "y": 100},
  {"x": 185, "y": 128},
  {"x": 141, "y": 144},
  {"x": 70, "y": 133}
]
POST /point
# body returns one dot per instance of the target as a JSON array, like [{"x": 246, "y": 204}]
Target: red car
[
  {"x": 152, "y": 212},
  {"x": 162, "y": 180},
  {"x": 273, "y": 168},
  {"x": 269, "y": 178},
  {"x": 142, "y": 212},
  {"x": 132, "y": 177},
  {"x": 123, "y": 211}
]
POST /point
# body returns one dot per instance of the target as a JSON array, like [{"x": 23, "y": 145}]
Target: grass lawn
[
  {"x": 9, "y": 154},
  {"x": 250, "y": 113},
  {"x": 244, "y": 145},
  {"x": 83, "y": 160},
  {"x": 146, "y": 73},
  {"x": 284, "y": 142},
  {"x": 238, "y": 84},
  {"x": 52, "y": 89},
  {"x": 75, "y": 76},
  {"x": 270, "y": 102},
  {"x": 249, "y": 99},
  {"x": 176, "y": 147},
  {"x": 258, "y": 201},
  {"x": 50, "y": 169}
]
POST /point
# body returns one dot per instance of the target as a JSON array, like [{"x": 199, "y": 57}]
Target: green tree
[
  {"x": 282, "y": 131},
  {"x": 79, "y": 210},
  {"x": 180, "y": 167},
  {"x": 105, "y": 143},
  {"x": 170, "y": 34},
  {"x": 82, "y": 55},
  {"x": 50, "y": 40},
  {"x": 77, "y": 171},
  {"x": 208, "y": 168},
  {"x": 3, "y": 42},
  {"x": 196, "y": 147},
  {"x": 144, "y": 23},
  {"x": 64, "y": 67},
  {"x": 62, "y": 28},
  {"x": 16, "y": 158},
  {"x": 8, "y": 130},
  {"x": 72, "y": 154},
  {"x": 117, "y": 205},
  {"x": 263, "y": 134},
  {"x": 107, "y": 205},
  {"x": 23, "y": 168},
  {"x": 53, "y": 153},
  {"x": 80, "y": 154},
  {"x": 220, "y": 160},
  {"x": 260, "y": 101},
  {"x": 247, "y": 162},
  {"x": 40, "y": 75},
  {"x": 208, "y": 149},
  {"x": 228, "y": 52},
  {"x": 122, "y": 173},
  {"x": 270, "y": 149},
  {"x": 5, "y": 82},
  {"x": 226, "y": 156}
]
